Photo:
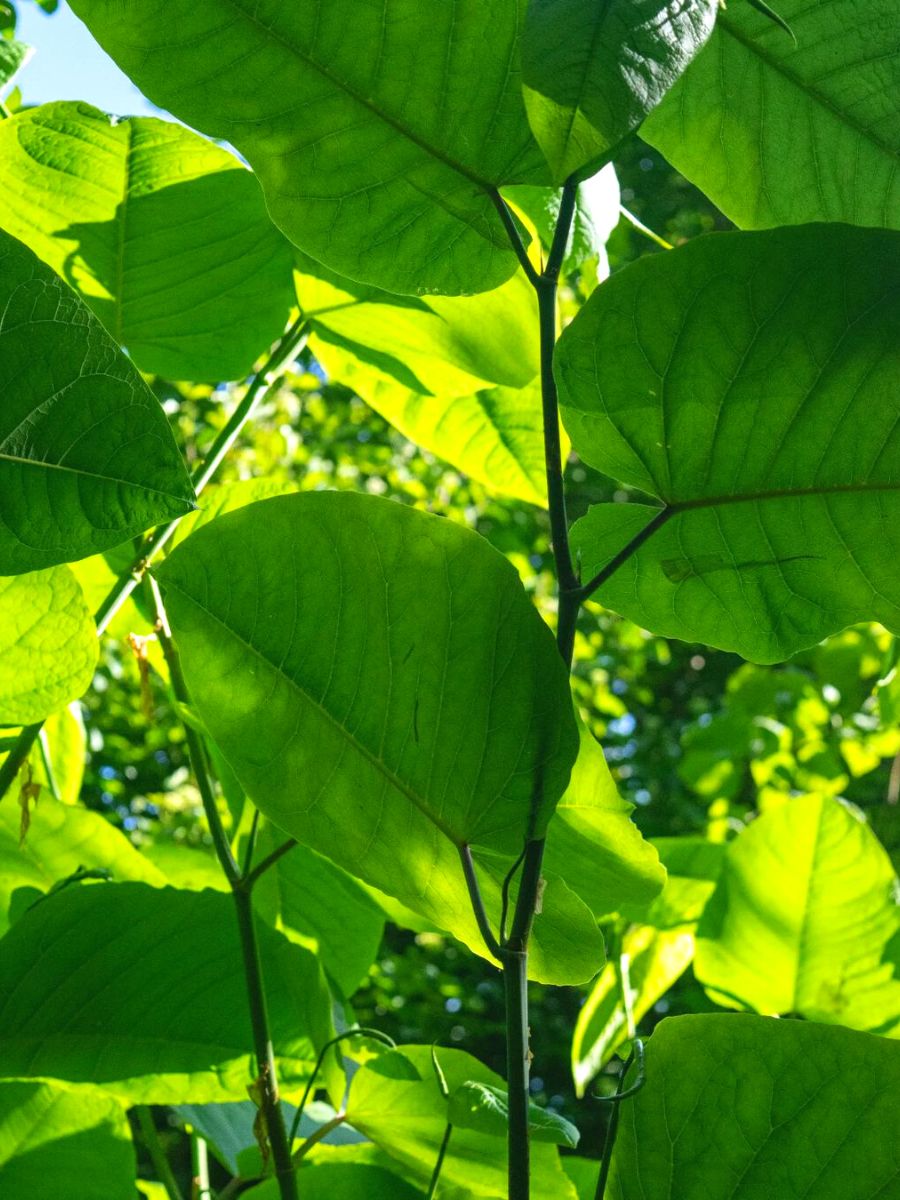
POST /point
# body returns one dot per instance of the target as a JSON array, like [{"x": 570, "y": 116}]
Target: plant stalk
[
  {"x": 436, "y": 1173},
  {"x": 518, "y": 1062},
  {"x": 161, "y": 1164},
  {"x": 241, "y": 891}
]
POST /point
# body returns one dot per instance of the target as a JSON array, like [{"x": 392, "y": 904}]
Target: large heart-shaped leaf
[
  {"x": 749, "y": 380},
  {"x": 86, "y": 455},
  {"x": 164, "y": 234},
  {"x": 593, "y": 69},
  {"x": 741, "y": 1106},
  {"x": 395, "y": 1100},
  {"x": 780, "y": 130},
  {"x": 383, "y": 144},
  {"x": 48, "y": 644},
  {"x": 90, "y": 990},
  {"x": 805, "y": 920},
  {"x": 50, "y": 1133},
  {"x": 377, "y": 678}
]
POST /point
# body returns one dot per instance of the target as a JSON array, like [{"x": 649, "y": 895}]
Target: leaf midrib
[
  {"x": 20, "y": 461},
  {"x": 373, "y": 759},
  {"x": 753, "y": 47}
]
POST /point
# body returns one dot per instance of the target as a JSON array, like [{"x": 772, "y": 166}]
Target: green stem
[
  {"x": 161, "y": 1164},
  {"x": 241, "y": 892},
  {"x": 518, "y": 1056},
  {"x": 436, "y": 1173},
  {"x": 283, "y": 352},
  {"x": 200, "y": 1161},
  {"x": 269, "y": 861},
  {"x": 362, "y": 1031},
  {"x": 321, "y": 1133}
]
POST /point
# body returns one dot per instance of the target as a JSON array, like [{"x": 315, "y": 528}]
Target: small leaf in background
[
  {"x": 593, "y": 69},
  {"x": 696, "y": 376},
  {"x": 805, "y": 919},
  {"x": 386, "y": 191},
  {"x": 779, "y": 131},
  {"x": 86, "y": 455},
  {"x": 63, "y": 1140},
  {"x": 48, "y": 644},
  {"x": 485, "y": 1108},
  {"x": 200, "y": 284},
  {"x": 13, "y": 57},
  {"x": 750, "y": 1106}
]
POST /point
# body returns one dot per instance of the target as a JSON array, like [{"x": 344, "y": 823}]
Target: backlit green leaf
[
  {"x": 485, "y": 1108},
  {"x": 48, "y": 644},
  {"x": 91, "y": 989},
  {"x": 163, "y": 234},
  {"x": 50, "y": 1134},
  {"x": 593, "y": 69},
  {"x": 749, "y": 381},
  {"x": 384, "y": 181},
  {"x": 86, "y": 455},
  {"x": 778, "y": 131},
  {"x": 61, "y": 840},
  {"x": 396, "y": 1102},
  {"x": 376, "y": 675},
  {"x": 13, "y": 56},
  {"x": 805, "y": 919},
  {"x": 744, "y": 1106}
]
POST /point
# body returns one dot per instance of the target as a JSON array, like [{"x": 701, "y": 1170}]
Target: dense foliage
[{"x": 327, "y": 871}]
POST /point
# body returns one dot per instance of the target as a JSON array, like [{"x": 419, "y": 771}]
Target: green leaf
[
  {"x": 163, "y": 234},
  {"x": 357, "y": 1173},
  {"x": 593, "y": 69},
  {"x": 86, "y": 455},
  {"x": 384, "y": 183},
  {"x": 442, "y": 345},
  {"x": 48, "y": 644},
  {"x": 583, "y": 1172},
  {"x": 311, "y": 900},
  {"x": 749, "y": 381},
  {"x": 805, "y": 919},
  {"x": 593, "y": 843},
  {"x": 693, "y": 866},
  {"x": 61, "y": 839},
  {"x": 63, "y": 1141},
  {"x": 67, "y": 751},
  {"x": 395, "y": 1102},
  {"x": 597, "y": 210},
  {"x": 780, "y": 132},
  {"x": 485, "y": 1108},
  {"x": 90, "y": 989},
  {"x": 13, "y": 56},
  {"x": 750, "y": 1107},
  {"x": 444, "y": 720},
  {"x": 655, "y": 960},
  {"x": 494, "y": 435}
]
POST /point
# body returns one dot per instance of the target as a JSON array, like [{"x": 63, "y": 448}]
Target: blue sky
[{"x": 67, "y": 64}]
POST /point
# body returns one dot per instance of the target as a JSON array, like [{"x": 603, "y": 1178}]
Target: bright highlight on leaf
[
  {"x": 779, "y": 131},
  {"x": 48, "y": 644},
  {"x": 699, "y": 377},
  {"x": 86, "y": 455},
  {"x": 805, "y": 920},
  {"x": 163, "y": 234},
  {"x": 386, "y": 185}
]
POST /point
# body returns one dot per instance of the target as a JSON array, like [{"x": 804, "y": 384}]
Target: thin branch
[
  {"x": 320, "y": 1134},
  {"x": 360, "y": 1031},
  {"x": 626, "y": 552},
  {"x": 269, "y": 861},
  {"x": 512, "y": 232},
  {"x": 161, "y": 1164},
  {"x": 436, "y": 1173},
  {"x": 481, "y": 917},
  {"x": 251, "y": 845},
  {"x": 504, "y": 893},
  {"x": 563, "y": 228}
]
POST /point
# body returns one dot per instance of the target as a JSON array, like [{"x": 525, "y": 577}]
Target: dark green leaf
[
  {"x": 86, "y": 456},
  {"x": 749, "y": 381},
  {"x": 593, "y": 69},
  {"x": 389, "y": 129},
  {"x": 741, "y": 1106},
  {"x": 91, "y": 989}
]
